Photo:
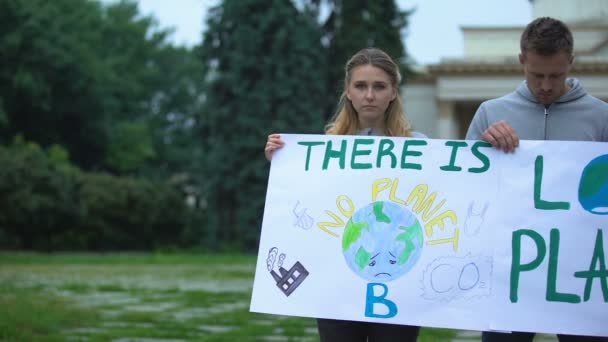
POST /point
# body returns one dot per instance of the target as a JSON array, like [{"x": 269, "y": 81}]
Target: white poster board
[{"x": 422, "y": 232}]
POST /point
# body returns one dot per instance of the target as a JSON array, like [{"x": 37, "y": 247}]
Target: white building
[{"x": 443, "y": 98}]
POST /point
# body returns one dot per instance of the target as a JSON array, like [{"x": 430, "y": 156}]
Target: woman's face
[{"x": 370, "y": 91}]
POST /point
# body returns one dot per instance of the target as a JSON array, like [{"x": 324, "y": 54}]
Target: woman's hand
[{"x": 273, "y": 143}]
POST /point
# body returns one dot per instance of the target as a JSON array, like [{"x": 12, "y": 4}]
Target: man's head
[{"x": 546, "y": 56}]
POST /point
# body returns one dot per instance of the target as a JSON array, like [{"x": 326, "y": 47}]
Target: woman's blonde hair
[{"x": 345, "y": 121}]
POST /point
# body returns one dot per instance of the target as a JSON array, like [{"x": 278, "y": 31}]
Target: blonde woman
[{"x": 369, "y": 105}]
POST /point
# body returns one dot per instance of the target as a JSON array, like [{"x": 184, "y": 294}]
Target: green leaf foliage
[
  {"x": 77, "y": 73},
  {"x": 266, "y": 73},
  {"x": 129, "y": 214},
  {"x": 47, "y": 204},
  {"x": 130, "y": 146},
  {"x": 38, "y": 198},
  {"x": 49, "y": 80},
  {"x": 98, "y": 87}
]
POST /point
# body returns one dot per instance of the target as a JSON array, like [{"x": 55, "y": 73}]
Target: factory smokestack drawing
[{"x": 287, "y": 280}]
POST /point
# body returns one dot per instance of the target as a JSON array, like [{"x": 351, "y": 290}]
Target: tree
[
  {"x": 102, "y": 81},
  {"x": 353, "y": 25},
  {"x": 39, "y": 195},
  {"x": 154, "y": 90},
  {"x": 130, "y": 147},
  {"x": 173, "y": 116},
  {"x": 266, "y": 73},
  {"x": 49, "y": 79}
]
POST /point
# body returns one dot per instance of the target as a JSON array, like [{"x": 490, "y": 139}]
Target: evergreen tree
[
  {"x": 353, "y": 25},
  {"x": 266, "y": 73}
]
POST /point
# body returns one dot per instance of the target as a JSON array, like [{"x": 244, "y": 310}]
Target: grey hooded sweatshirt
[{"x": 575, "y": 116}]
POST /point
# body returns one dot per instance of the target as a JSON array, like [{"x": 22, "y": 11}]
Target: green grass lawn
[{"x": 141, "y": 297}]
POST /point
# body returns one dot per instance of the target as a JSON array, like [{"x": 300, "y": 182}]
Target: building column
[{"x": 447, "y": 125}]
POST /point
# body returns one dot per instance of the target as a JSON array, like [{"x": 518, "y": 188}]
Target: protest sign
[{"x": 441, "y": 233}]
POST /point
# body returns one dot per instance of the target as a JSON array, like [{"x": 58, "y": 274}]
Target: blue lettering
[{"x": 372, "y": 299}]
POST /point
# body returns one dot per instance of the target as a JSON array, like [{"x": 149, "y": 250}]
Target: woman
[{"x": 369, "y": 105}]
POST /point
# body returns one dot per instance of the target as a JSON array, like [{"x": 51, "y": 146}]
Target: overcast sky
[{"x": 433, "y": 32}]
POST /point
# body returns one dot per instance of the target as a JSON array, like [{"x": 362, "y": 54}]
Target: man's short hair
[{"x": 546, "y": 36}]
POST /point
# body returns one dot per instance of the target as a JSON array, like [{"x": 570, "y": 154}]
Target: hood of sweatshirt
[{"x": 576, "y": 91}]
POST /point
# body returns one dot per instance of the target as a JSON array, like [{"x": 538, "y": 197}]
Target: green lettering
[
  {"x": 482, "y": 157},
  {"x": 538, "y": 180},
  {"x": 356, "y": 152},
  {"x": 386, "y": 149},
  {"x": 601, "y": 273},
  {"x": 309, "y": 145},
  {"x": 340, "y": 154},
  {"x": 552, "y": 294},
  {"x": 455, "y": 145},
  {"x": 516, "y": 266},
  {"x": 405, "y": 153}
]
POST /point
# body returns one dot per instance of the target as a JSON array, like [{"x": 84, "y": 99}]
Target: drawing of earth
[
  {"x": 593, "y": 187},
  {"x": 382, "y": 241}
]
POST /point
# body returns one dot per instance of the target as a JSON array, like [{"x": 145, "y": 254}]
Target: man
[{"x": 546, "y": 106}]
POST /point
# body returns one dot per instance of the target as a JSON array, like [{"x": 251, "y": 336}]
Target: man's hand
[{"x": 502, "y": 136}]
